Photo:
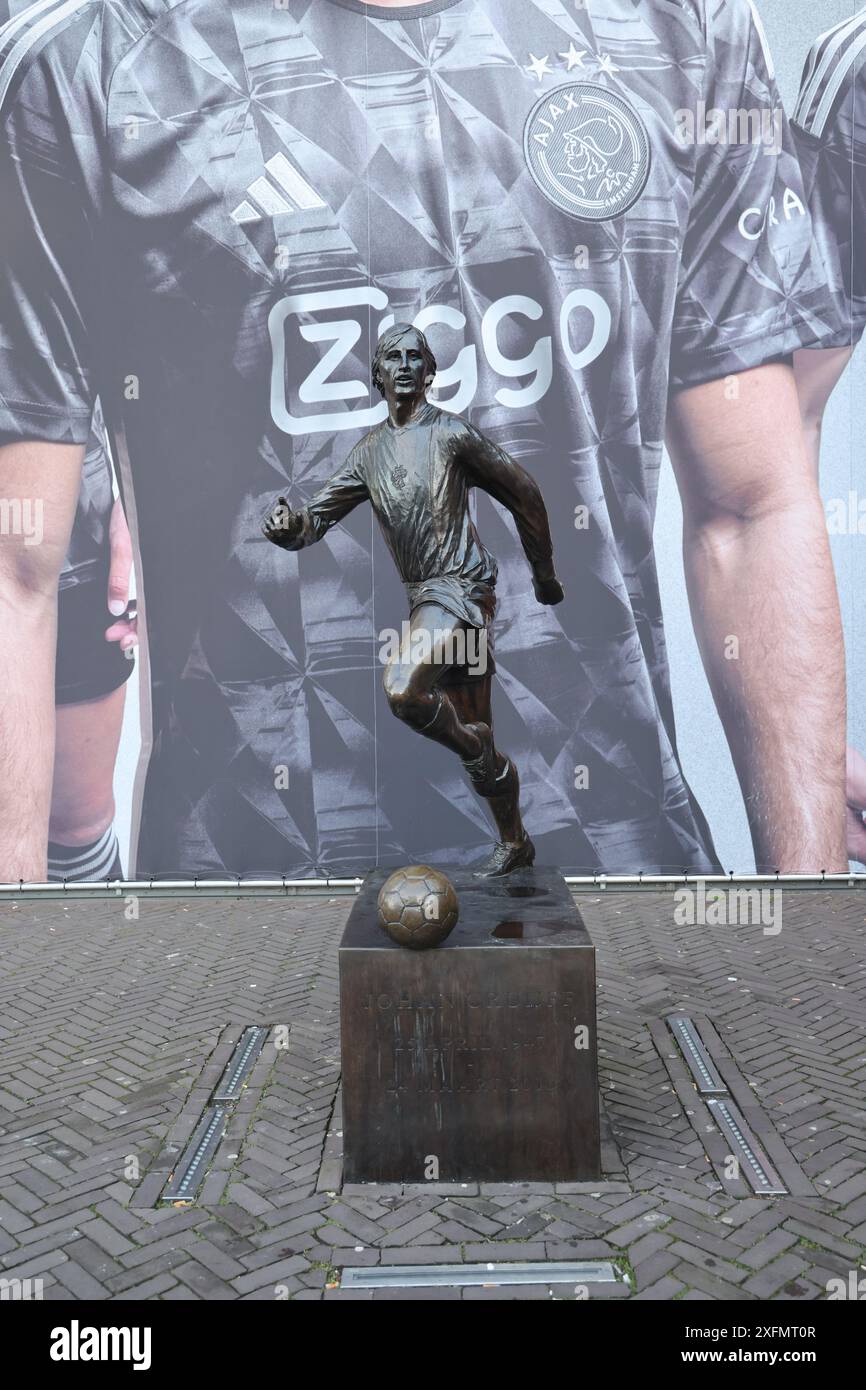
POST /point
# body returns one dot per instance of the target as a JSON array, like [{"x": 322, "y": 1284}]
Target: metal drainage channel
[
  {"x": 243, "y": 1059},
  {"x": 707, "y": 1078},
  {"x": 761, "y": 1175},
  {"x": 473, "y": 1276},
  {"x": 758, "y": 1170},
  {"x": 190, "y": 1169}
]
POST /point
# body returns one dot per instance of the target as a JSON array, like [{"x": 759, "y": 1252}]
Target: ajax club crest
[{"x": 587, "y": 150}]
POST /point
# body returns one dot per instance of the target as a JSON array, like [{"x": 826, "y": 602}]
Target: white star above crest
[
  {"x": 606, "y": 64},
  {"x": 574, "y": 57},
  {"x": 540, "y": 67}
]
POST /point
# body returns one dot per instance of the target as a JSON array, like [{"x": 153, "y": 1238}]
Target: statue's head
[{"x": 403, "y": 364}]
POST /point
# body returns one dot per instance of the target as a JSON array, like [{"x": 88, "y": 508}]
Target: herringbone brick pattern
[{"x": 114, "y": 1031}]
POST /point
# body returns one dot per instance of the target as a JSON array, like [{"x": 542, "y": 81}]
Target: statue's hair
[{"x": 387, "y": 341}]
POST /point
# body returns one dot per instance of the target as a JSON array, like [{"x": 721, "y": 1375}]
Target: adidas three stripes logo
[{"x": 284, "y": 189}]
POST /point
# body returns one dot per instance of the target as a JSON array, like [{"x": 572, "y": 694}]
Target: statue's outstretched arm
[{"x": 339, "y": 496}]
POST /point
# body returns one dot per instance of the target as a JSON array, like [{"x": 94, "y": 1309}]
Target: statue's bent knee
[{"x": 399, "y": 693}]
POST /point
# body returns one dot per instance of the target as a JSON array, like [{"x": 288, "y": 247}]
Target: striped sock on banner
[{"x": 85, "y": 863}]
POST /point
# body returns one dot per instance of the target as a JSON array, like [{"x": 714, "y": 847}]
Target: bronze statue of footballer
[{"x": 416, "y": 470}]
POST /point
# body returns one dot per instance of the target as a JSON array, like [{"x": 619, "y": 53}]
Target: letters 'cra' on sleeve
[
  {"x": 497, "y": 473},
  {"x": 829, "y": 125},
  {"x": 339, "y": 496},
  {"x": 46, "y": 265},
  {"x": 751, "y": 285}
]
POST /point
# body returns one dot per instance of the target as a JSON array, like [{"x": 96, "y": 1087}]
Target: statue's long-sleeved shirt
[{"x": 418, "y": 478}]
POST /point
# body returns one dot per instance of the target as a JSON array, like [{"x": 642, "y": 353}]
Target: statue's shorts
[{"x": 474, "y": 603}]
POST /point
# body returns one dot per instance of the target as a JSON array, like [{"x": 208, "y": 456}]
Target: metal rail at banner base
[{"x": 334, "y": 887}]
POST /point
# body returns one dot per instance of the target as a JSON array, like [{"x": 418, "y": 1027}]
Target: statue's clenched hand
[
  {"x": 283, "y": 526},
  {"x": 548, "y": 591}
]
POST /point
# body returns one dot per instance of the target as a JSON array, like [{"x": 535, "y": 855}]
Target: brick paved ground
[{"x": 113, "y": 1033}]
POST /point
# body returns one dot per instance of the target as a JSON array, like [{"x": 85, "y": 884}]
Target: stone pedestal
[{"x": 476, "y": 1060}]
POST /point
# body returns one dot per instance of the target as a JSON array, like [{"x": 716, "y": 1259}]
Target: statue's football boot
[{"x": 506, "y": 858}]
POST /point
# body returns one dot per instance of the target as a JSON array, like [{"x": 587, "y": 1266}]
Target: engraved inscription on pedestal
[
  {"x": 476, "y": 1060},
  {"x": 489, "y": 1042}
]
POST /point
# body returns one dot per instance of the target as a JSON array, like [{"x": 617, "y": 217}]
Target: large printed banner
[{"x": 212, "y": 211}]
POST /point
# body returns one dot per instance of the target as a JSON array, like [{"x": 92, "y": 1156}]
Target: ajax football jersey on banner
[
  {"x": 215, "y": 208},
  {"x": 830, "y": 130},
  {"x": 88, "y": 548}
]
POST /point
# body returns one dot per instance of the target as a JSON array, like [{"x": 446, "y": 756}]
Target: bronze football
[{"x": 418, "y": 907}]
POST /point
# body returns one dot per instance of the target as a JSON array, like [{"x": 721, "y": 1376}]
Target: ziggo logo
[{"x": 319, "y": 385}]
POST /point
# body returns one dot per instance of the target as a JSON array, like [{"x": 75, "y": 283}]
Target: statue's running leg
[
  {"x": 514, "y": 849},
  {"x": 427, "y": 651},
  {"x": 461, "y": 719}
]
